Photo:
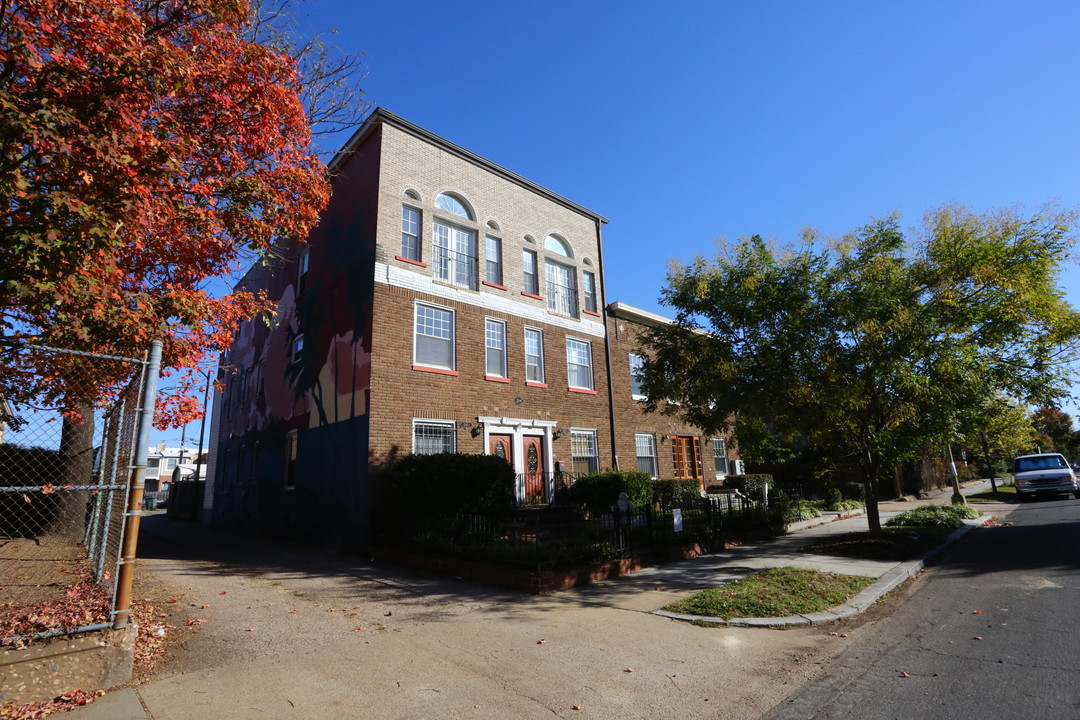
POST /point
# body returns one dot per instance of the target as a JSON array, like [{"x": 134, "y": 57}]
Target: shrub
[
  {"x": 949, "y": 516},
  {"x": 752, "y": 486},
  {"x": 599, "y": 491},
  {"x": 796, "y": 510},
  {"x": 668, "y": 494},
  {"x": 427, "y": 486}
]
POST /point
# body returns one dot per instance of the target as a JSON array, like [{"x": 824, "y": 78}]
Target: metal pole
[
  {"x": 122, "y": 611},
  {"x": 202, "y": 424}
]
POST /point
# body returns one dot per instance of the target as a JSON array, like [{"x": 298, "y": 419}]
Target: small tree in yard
[{"x": 873, "y": 346}]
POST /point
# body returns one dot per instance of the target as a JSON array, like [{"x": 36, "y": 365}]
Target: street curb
[{"x": 859, "y": 603}]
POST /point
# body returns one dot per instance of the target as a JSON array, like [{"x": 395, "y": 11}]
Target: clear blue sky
[{"x": 687, "y": 121}]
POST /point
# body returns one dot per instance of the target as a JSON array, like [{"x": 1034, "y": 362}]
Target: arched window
[
  {"x": 555, "y": 244},
  {"x": 454, "y": 205}
]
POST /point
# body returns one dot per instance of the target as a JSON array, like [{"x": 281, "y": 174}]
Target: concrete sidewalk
[{"x": 462, "y": 646}]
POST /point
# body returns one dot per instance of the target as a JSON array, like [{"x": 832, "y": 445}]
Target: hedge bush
[
  {"x": 668, "y": 494},
  {"x": 599, "y": 491},
  {"x": 427, "y": 486},
  {"x": 750, "y": 485}
]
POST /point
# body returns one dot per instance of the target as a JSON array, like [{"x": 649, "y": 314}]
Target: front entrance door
[
  {"x": 533, "y": 448},
  {"x": 501, "y": 445}
]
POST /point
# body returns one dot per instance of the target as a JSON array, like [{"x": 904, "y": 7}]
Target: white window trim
[
  {"x": 496, "y": 261},
  {"x": 503, "y": 371},
  {"x": 592, "y": 375},
  {"x": 654, "y": 456},
  {"x": 595, "y": 446},
  {"x": 450, "y": 424},
  {"x": 470, "y": 263},
  {"x": 634, "y": 395},
  {"x": 419, "y": 233},
  {"x": 452, "y": 339},
  {"x": 543, "y": 371}
]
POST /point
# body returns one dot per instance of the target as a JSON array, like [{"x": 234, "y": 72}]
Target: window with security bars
[
  {"x": 454, "y": 255},
  {"x": 584, "y": 455},
  {"x": 495, "y": 348},
  {"x": 431, "y": 438},
  {"x": 410, "y": 233},
  {"x": 534, "y": 355},
  {"x": 434, "y": 337},
  {"x": 561, "y": 289},
  {"x": 719, "y": 446},
  {"x": 646, "y": 453}
]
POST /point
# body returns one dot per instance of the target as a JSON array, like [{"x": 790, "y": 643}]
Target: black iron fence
[{"x": 541, "y": 540}]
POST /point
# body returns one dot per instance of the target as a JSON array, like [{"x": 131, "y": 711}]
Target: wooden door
[
  {"x": 501, "y": 445},
  {"x": 535, "y": 485}
]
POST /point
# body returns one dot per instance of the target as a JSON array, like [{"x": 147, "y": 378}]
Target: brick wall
[{"x": 630, "y": 416}]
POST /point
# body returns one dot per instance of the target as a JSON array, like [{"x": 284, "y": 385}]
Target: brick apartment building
[
  {"x": 661, "y": 445},
  {"x": 442, "y": 304}
]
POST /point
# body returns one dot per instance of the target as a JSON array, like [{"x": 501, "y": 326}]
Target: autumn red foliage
[{"x": 146, "y": 146}]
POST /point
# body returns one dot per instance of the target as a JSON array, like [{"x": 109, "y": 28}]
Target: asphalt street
[{"x": 991, "y": 632}]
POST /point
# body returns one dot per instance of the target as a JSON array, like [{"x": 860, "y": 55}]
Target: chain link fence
[{"x": 68, "y": 430}]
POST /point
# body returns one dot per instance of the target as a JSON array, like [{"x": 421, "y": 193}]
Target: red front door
[
  {"x": 533, "y": 447},
  {"x": 502, "y": 446}
]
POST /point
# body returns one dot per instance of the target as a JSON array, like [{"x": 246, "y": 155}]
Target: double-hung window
[
  {"x": 637, "y": 366},
  {"x": 645, "y": 445},
  {"x": 588, "y": 290},
  {"x": 561, "y": 288},
  {"x": 719, "y": 447},
  {"x": 534, "y": 356},
  {"x": 410, "y": 233},
  {"x": 579, "y": 371},
  {"x": 495, "y": 348},
  {"x": 493, "y": 265},
  {"x": 434, "y": 345},
  {"x": 431, "y": 437},
  {"x": 455, "y": 255},
  {"x": 532, "y": 276},
  {"x": 585, "y": 457}
]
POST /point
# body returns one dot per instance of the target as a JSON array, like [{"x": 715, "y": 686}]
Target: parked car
[{"x": 1043, "y": 474}]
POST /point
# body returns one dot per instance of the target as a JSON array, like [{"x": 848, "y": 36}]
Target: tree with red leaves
[{"x": 146, "y": 146}]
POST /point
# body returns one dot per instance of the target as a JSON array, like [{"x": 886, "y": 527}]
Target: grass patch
[
  {"x": 778, "y": 592},
  {"x": 896, "y": 544},
  {"x": 1005, "y": 493}
]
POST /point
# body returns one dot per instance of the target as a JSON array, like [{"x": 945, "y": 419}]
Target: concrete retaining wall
[{"x": 87, "y": 661}]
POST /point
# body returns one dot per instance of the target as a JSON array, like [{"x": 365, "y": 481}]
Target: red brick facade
[{"x": 408, "y": 333}]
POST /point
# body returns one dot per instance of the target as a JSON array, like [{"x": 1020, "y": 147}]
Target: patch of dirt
[{"x": 898, "y": 544}]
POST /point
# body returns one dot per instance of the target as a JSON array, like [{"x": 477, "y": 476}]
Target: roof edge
[{"x": 381, "y": 115}]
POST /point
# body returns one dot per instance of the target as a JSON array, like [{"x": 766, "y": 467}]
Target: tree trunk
[
  {"x": 76, "y": 468},
  {"x": 873, "y": 517}
]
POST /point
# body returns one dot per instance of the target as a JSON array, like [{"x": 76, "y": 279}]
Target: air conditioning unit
[{"x": 737, "y": 467}]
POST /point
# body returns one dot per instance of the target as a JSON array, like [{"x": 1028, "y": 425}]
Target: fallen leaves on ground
[{"x": 37, "y": 711}]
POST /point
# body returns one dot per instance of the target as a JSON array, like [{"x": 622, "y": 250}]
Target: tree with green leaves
[
  {"x": 1054, "y": 430},
  {"x": 874, "y": 346}
]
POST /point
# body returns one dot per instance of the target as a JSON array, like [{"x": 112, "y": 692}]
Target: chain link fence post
[{"x": 126, "y": 571}]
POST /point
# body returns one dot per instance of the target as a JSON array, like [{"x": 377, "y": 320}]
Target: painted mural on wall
[{"x": 330, "y": 383}]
